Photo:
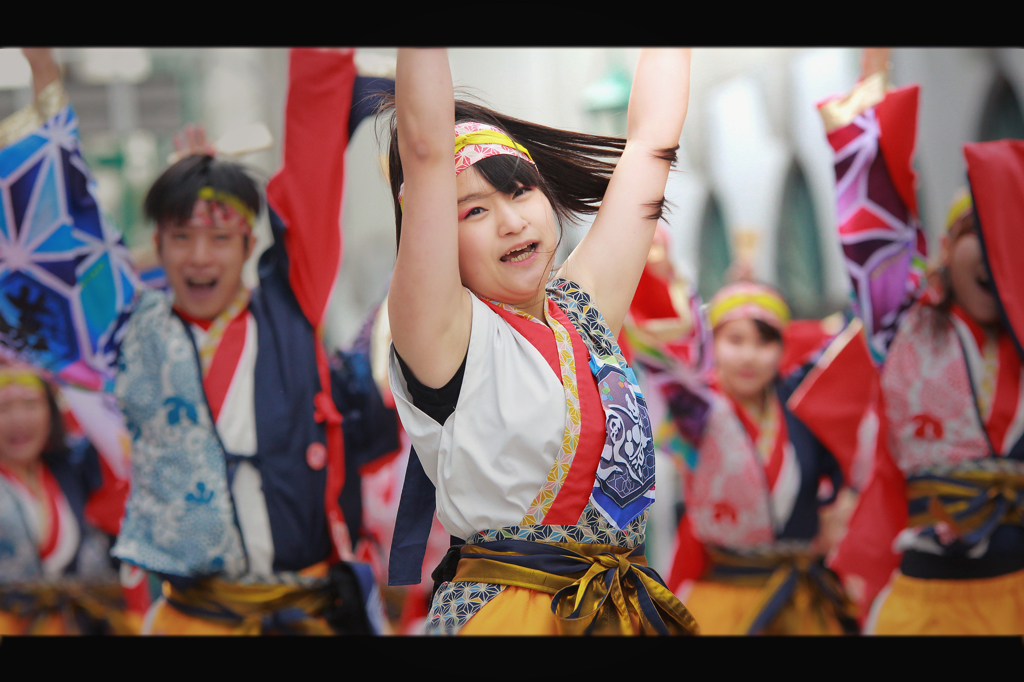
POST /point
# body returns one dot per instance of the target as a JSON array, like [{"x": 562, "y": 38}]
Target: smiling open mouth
[
  {"x": 520, "y": 254},
  {"x": 201, "y": 285}
]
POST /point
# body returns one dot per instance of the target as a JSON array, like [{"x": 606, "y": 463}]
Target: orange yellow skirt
[
  {"x": 518, "y": 611},
  {"x": 11, "y": 624},
  {"x": 249, "y": 602},
  {"x": 915, "y": 606},
  {"x": 164, "y": 619},
  {"x": 531, "y": 609},
  {"x": 723, "y": 609}
]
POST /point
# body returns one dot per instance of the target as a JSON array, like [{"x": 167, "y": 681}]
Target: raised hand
[
  {"x": 191, "y": 140},
  {"x": 875, "y": 59},
  {"x": 44, "y": 67}
]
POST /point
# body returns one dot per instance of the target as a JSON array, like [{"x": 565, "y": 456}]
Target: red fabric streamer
[
  {"x": 996, "y": 174},
  {"x": 307, "y": 194},
  {"x": 833, "y": 407},
  {"x": 897, "y": 120}
]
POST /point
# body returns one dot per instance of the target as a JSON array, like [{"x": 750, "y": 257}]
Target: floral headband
[
  {"x": 215, "y": 208},
  {"x": 747, "y": 300},
  {"x": 475, "y": 141}
]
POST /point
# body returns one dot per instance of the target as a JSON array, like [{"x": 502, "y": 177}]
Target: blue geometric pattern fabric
[
  {"x": 455, "y": 603},
  {"x": 66, "y": 282},
  {"x": 624, "y": 486}
]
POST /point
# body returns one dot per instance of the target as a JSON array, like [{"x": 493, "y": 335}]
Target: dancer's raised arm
[
  {"x": 876, "y": 212},
  {"x": 608, "y": 262},
  {"x": 44, "y": 67},
  {"x": 430, "y": 311}
]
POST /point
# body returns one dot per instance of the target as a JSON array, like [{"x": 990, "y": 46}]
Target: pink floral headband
[{"x": 475, "y": 141}]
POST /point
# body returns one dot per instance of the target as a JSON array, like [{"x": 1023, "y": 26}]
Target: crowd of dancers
[{"x": 858, "y": 474}]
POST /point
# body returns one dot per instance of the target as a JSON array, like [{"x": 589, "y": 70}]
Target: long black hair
[
  {"x": 572, "y": 169},
  {"x": 56, "y": 442}
]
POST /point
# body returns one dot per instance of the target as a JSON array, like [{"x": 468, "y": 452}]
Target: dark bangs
[
  {"x": 173, "y": 194},
  {"x": 507, "y": 173},
  {"x": 572, "y": 169},
  {"x": 768, "y": 333}
]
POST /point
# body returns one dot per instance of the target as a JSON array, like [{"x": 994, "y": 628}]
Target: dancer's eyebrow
[{"x": 475, "y": 195}]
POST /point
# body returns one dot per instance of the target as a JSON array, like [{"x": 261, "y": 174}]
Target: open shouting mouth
[
  {"x": 520, "y": 253},
  {"x": 201, "y": 286}
]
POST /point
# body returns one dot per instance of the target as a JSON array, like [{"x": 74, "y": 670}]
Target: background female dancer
[
  {"x": 948, "y": 481},
  {"x": 751, "y": 544},
  {"x": 543, "y": 468},
  {"x": 56, "y": 576}
]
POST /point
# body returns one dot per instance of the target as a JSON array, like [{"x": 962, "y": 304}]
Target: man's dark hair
[{"x": 174, "y": 193}]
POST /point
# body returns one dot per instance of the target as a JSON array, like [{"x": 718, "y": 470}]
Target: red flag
[
  {"x": 689, "y": 558},
  {"x": 840, "y": 401}
]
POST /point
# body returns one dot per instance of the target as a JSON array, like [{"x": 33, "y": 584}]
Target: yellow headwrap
[
  {"x": 747, "y": 300},
  {"x": 210, "y": 194},
  {"x": 961, "y": 206},
  {"x": 17, "y": 382},
  {"x": 475, "y": 141}
]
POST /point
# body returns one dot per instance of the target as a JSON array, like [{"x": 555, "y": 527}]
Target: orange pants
[
  {"x": 16, "y": 625},
  {"x": 518, "y": 611},
  {"x": 164, "y": 619},
  {"x": 721, "y": 609},
  {"x": 915, "y": 606}
]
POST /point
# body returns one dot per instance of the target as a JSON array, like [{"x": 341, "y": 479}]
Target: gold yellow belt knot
[
  {"x": 789, "y": 582},
  {"x": 597, "y": 589},
  {"x": 101, "y": 602},
  {"x": 966, "y": 501},
  {"x": 254, "y": 609}
]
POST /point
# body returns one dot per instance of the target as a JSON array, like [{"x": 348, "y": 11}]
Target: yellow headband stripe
[
  {"x": 473, "y": 138},
  {"x": 489, "y": 137},
  {"x": 962, "y": 205},
  {"x": 22, "y": 378},
  {"x": 211, "y": 194},
  {"x": 774, "y": 305}
]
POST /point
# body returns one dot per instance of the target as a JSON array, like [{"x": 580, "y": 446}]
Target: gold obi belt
[
  {"x": 261, "y": 608},
  {"x": 596, "y": 589},
  {"x": 84, "y": 609},
  {"x": 789, "y": 580},
  {"x": 967, "y": 503}
]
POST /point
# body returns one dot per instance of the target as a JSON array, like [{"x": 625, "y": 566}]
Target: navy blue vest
[{"x": 286, "y": 380}]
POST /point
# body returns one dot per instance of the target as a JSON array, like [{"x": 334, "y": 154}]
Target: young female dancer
[
  {"x": 951, "y": 380},
  {"x": 46, "y": 545},
  {"x": 521, "y": 409},
  {"x": 750, "y": 546}
]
